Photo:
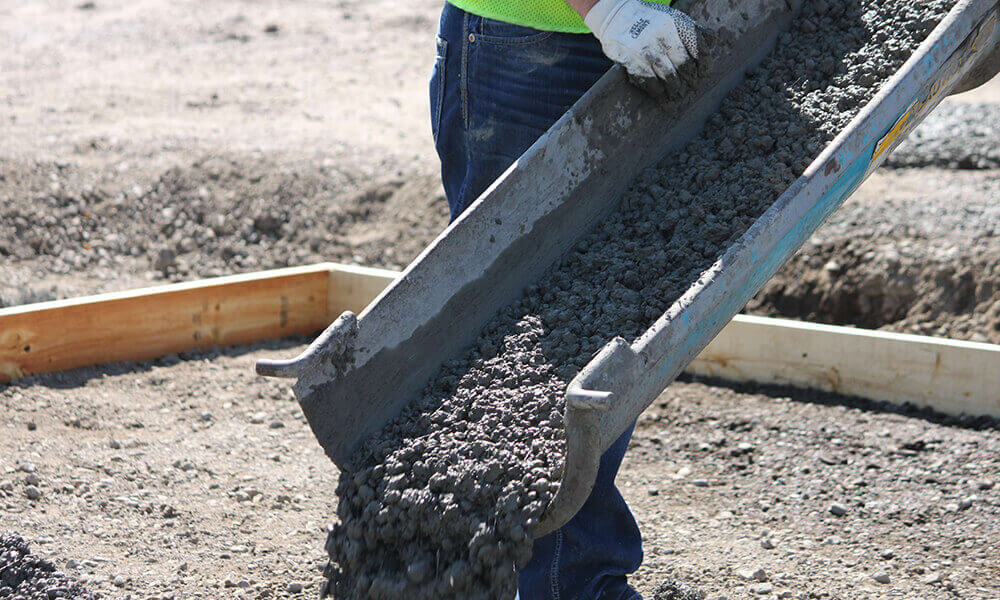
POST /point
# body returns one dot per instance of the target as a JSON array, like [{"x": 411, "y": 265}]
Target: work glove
[{"x": 657, "y": 45}]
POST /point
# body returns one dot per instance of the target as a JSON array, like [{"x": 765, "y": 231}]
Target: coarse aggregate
[
  {"x": 440, "y": 503},
  {"x": 675, "y": 590},
  {"x": 25, "y": 576},
  {"x": 954, "y": 136},
  {"x": 217, "y": 215}
]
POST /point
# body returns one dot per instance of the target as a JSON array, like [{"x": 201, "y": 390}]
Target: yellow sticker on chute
[{"x": 937, "y": 89}]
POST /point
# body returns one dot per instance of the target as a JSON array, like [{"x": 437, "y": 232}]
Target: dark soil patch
[{"x": 24, "y": 576}]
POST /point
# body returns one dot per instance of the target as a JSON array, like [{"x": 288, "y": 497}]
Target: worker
[{"x": 505, "y": 71}]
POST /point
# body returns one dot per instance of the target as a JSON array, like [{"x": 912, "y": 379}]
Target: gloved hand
[{"x": 652, "y": 41}]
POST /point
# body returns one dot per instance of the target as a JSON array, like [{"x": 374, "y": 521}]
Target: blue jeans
[{"x": 495, "y": 89}]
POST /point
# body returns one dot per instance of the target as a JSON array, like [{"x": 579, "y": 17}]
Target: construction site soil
[
  {"x": 189, "y": 477},
  {"x": 920, "y": 260}
]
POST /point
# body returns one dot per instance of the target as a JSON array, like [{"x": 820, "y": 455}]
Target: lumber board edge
[
  {"x": 353, "y": 287},
  {"x": 152, "y": 322},
  {"x": 144, "y": 292},
  {"x": 950, "y": 376}
]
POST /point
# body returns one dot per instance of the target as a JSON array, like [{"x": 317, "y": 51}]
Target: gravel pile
[
  {"x": 901, "y": 255},
  {"x": 217, "y": 215},
  {"x": 24, "y": 576},
  {"x": 954, "y": 136},
  {"x": 675, "y": 590},
  {"x": 877, "y": 283},
  {"x": 441, "y": 503}
]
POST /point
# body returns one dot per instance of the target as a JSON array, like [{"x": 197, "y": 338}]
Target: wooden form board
[
  {"x": 950, "y": 376},
  {"x": 152, "y": 322}
]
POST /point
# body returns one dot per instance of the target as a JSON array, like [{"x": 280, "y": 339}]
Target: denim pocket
[
  {"x": 492, "y": 31},
  {"x": 437, "y": 85}
]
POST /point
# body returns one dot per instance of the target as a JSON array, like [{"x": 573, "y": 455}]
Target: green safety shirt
[{"x": 547, "y": 15}]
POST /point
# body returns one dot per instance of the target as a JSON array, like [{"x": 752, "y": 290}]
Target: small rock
[
  {"x": 272, "y": 28},
  {"x": 767, "y": 544},
  {"x": 932, "y": 578},
  {"x": 31, "y": 426},
  {"x": 86, "y": 6},
  {"x": 762, "y": 589},
  {"x": 985, "y": 485},
  {"x": 32, "y": 479},
  {"x": 887, "y": 554},
  {"x": 966, "y": 503},
  {"x": 699, "y": 482},
  {"x": 276, "y": 425},
  {"x": 72, "y": 564},
  {"x": 753, "y": 574},
  {"x": 882, "y": 577},
  {"x": 267, "y": 223},
  {"x": 186, "y": 244},
  {"x": 838, "y": 510},
  {"x": 258, "y": 418},
  {"x": 205, "y": 416},
  {"x": 165, "y": 259},
  {"x": 115, "y": 445},
  {"x": 294, "y": 588},
  {"x": 32, "y": 492},
  {"x": 118, "y": 581},
  {"x": 217, "y": 222},
  {"x": 830, "y": 459}
]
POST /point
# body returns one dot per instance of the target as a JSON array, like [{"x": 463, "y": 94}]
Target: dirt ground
[
  {"x": 172, "y": 478},
  {"x": 148, "y": 141}
]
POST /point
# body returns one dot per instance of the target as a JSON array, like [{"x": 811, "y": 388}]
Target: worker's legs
[
  {"x": 589, "y": 557},
  {"x": 495, "y": 89}
]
